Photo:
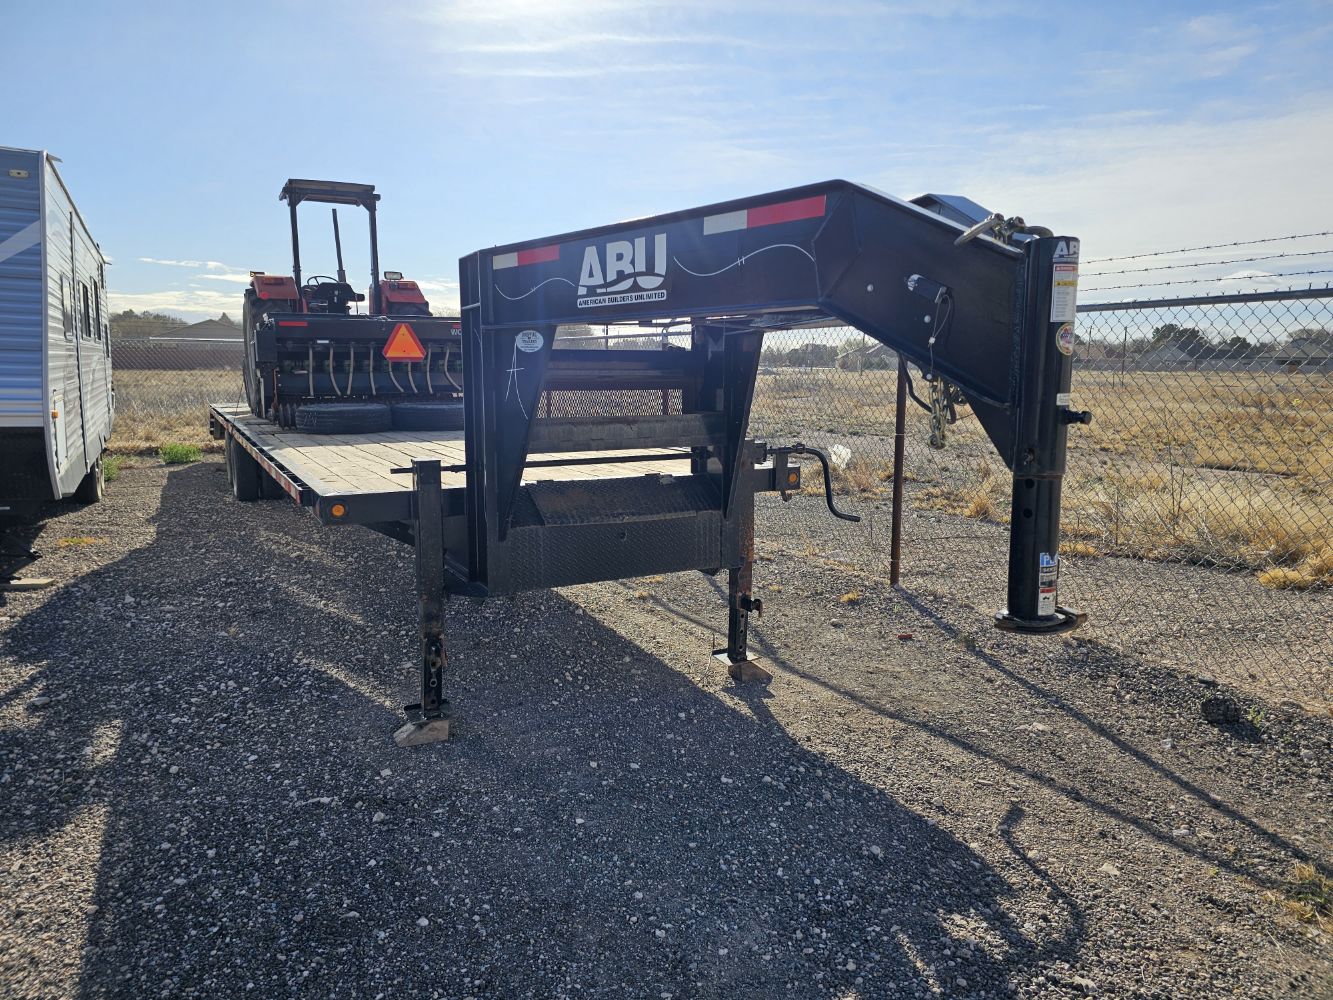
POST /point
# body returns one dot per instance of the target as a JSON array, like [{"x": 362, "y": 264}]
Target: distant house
[
  {"x": 213, "y": 343},
  {"x": 1164, "y": 357},
  {"x": 1306, "y": 354},
  {"x": 1093, "y": 350},
  {"x": 209, "y": 329}
]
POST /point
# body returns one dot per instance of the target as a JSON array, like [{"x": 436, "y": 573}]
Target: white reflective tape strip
[
  {"x": 503, "y": 260},
  {"x": 724, "y": 223},
  {"x": 30, "y": 235}
]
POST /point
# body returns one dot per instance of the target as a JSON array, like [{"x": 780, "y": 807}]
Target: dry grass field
[
  {"x": 1218, "y": 469},
  {"x": 157, "y": 408}
]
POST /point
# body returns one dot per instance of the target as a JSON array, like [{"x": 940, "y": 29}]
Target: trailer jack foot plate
[
  {"x": 741, "y": 671},
  {"x": 419, "y": 729},
  {"x": 26, "y": 583},
  {"x": 1064, "y": 620}
]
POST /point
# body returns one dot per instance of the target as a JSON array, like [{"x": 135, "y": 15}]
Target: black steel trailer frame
[{"x": 988, "y": 309}]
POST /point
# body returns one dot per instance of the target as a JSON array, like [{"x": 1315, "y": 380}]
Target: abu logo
[
  {"x": 1067, "y": 250},
  {"x": 627, "y": 265}
]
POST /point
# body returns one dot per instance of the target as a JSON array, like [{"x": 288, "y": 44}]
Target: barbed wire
[
  {"x": 1208, "y": 263},
  {"x": 1200, "y": 281},
  {"x": 1211, "y": 246}
]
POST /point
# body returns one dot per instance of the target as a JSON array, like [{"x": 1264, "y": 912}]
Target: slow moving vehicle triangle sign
[{"x": 403, "y": 345}]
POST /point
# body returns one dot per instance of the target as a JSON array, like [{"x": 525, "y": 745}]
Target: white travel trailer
[{"x": 56, "y": 402}]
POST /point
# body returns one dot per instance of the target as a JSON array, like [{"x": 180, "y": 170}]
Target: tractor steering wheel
[{"x": 320, "y": 279}]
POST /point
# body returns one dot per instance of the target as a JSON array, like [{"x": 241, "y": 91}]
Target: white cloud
[
  {"x": 212, "y": 265},
  {"x": 568, "y": 42},
  {"x": 581, "y": 72},
  {"x": 240, "y": 278},
  {"x": 1158, "y": 185},
  {"x": 190, "y": 303}
]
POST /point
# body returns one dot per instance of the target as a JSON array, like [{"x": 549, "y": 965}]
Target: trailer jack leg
[
  {"x": 428, "y": 719},
  {"x": 741, "y": 666}
]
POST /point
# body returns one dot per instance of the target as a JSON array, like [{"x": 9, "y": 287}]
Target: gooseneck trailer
[{"x": 645, "y": 464}]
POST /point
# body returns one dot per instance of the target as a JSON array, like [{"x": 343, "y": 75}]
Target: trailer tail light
[{"x": 338, "y": 510}]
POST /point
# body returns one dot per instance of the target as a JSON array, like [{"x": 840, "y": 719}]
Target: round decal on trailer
[
  {"x": 1064, "y": 338},
  {"x": 529, "y": 341}
]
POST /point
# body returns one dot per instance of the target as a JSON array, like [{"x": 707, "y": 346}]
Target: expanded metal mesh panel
[
  {"x": 636, "y": 499},
  {"x": 608, "y": 402}
]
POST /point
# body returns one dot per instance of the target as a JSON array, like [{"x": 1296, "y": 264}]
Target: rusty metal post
[{"x": 899, "y": 449}]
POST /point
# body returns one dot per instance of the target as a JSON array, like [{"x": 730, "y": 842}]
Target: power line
[
  {"x": 1214, "y": 246},
  {"x": 1208, "y": 263},
  {"x": 1200, "y": 281}
]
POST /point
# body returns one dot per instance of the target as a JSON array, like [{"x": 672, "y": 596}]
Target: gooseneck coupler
[{"x": 1041, "y": 418}]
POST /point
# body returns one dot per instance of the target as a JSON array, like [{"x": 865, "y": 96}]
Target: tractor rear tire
[
  {"x": 344, "y": 418},
  {"x": 428, "y": 416}
]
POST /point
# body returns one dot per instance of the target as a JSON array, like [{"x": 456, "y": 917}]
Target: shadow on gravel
[
  {"x": 18, "y": 542},
  {"x": 1241, "y": 731},
  {"x": 1215, "y": 855},
  {"x": 599, "y": 826}
]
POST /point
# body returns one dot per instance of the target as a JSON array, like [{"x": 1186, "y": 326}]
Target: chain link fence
[
  {"x": 1197, "y": 508},
  {"x": 164, "y": 385}
]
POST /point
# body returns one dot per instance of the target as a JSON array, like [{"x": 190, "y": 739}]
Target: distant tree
[
  {"x": 813, "y": 355},
  {"x": 1312, "y": 336},
  {"x": 129, "y": 324},
  {"x": 224, "y": 318},
  {"x": 1187, "y": 338}
]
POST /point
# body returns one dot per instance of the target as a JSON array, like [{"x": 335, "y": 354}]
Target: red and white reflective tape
[
  {"x": 537, "y": 255},
  {"x": 766, "y": 215}
]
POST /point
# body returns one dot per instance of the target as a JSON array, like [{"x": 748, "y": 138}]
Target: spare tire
[
  {"x": 343, "y": 418},
  {"x": 428, "y": 416}
]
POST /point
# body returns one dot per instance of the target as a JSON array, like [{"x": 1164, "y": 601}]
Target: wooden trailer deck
[{"x": 320, "y": 469}]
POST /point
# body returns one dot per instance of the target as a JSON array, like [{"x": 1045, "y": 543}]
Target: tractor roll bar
[{"x": 297, "y": 190}]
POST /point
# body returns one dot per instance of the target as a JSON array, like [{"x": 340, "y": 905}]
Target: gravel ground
[{"x": 200, "y": 796}]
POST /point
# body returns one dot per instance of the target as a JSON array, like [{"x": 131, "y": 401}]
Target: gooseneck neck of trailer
[{"x": 990, "y": 317}]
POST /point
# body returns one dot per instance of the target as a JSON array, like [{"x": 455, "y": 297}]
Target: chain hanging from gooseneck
[{"x": 939, "y": 414}]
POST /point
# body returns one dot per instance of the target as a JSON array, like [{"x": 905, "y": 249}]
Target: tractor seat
[{"x": 330, "y": 297}]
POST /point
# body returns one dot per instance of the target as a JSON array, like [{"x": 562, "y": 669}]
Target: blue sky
[{"x": 1136, "y": 126}]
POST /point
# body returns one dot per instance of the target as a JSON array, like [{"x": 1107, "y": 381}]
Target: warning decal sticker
[
  {"x": 1064, "y": 293},
  {"x": 1048, "y": 573}
]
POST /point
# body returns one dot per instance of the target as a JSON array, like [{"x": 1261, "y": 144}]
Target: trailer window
[
  {"x": 97, "y": 310},
  {"x": 86, "y": 315}
]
